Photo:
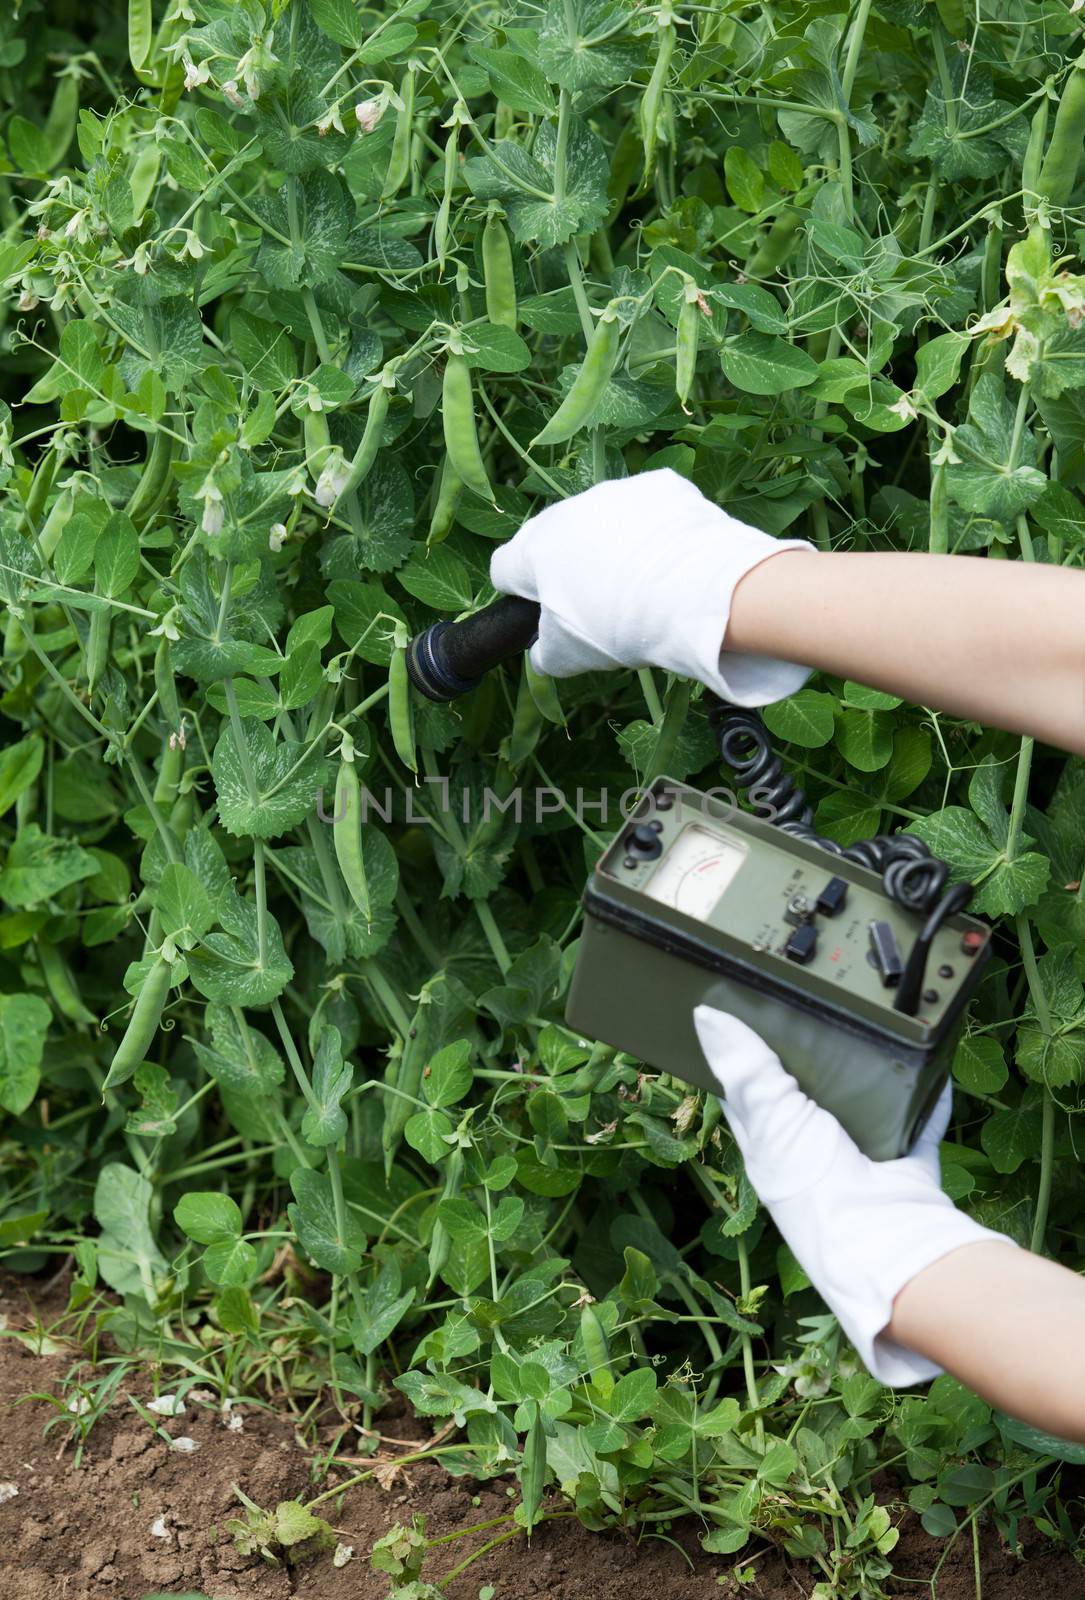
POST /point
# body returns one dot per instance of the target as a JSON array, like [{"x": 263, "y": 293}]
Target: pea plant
[{"x": 307, "y": 306}]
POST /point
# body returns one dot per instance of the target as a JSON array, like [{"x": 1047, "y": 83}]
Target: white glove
[
  {"x": 640, "y": 572},
  {"x": 861, "y": 1229}
]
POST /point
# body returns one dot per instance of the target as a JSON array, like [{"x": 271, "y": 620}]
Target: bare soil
[{"x": 138, "y": 1517}]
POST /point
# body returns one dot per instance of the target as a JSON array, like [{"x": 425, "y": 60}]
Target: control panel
[
  {"x": 783, "y": 900},
  {"x": 695, "y": 902}
]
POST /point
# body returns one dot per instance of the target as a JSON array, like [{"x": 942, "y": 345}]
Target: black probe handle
[{"x": 448, "y": 659}]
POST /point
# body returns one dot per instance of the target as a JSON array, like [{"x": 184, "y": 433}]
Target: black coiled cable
[{"x": 911, "y": 875}]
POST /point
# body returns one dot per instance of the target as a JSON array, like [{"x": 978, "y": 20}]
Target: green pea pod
[
  {"x": 60, "y": 123},
  {"x": 399, "y": 163},
  {"x": 588, "y": 385},
  {"x": 1058, "y": 175},
  {"x": 142, "y": 1025},
  {"x": 774, "y": 250},
  {"x": 652, "y": 100},
  {"x": 144, "y": 177},
  {"x": 544, "y": 692},
  {"x": 687, "y": 340},
  {"x": 370, "y": 442},
  {"x": 1034, "y": 151},
  {"x": 149, "y": 491},
  {"x": 461, "y": 436},
  {"x": 527, "y": 724},
  {"x": 596, "y": 1348},
  {"x": 318, "y": 441},
  {"x": 183, "y": 814},
  {"x": 97, "y": 651},
  {"x": 533, "y": 1468},
  {"x": 400, "y": 713},
  {"x": 624, "y": 162},
  {"x": 166, "y": 685},
  {"x": 991, "y": 273},
  {"x": 399, "y": 1108},
  {"x": 440, "y": 1243},
  {"x": 449, "y": 489},
  {"x": 347, "y": 832},
  {"x": 140, "y": 32},
  {"x": 444, "y": 210},
  {"x": 498, "y": 272},
  {"x": 169, "y": 775},
  {"x": 59, "y": 516},
  {"x": 40, "y": 485},
  {"x": 61, "y": 984}
]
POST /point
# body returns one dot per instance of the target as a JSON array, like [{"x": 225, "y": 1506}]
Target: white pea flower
[
  {"x": 167, "y": 628},
  {"x": 27, "y": 300},
  {"x": 330, "y": 119},
  {"x": 332, "y": 479},
  {"x": 195, "y": 74},
  {"x": 77, "y": 225},
  {"x": 230, "y": 90},
  {"x": 945, "y": 455},
  {"x": 369, "y": 113},
  {"x": 258, "y": 58},
  {"x": 904, "y": 409},
  {"x": 193, "y": 246},
  {"x": 277, "y": 537},
  {"x": 214, "y": 514}
]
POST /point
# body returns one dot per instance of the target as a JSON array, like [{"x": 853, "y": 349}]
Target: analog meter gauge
[{"x": 695, "y": 872}]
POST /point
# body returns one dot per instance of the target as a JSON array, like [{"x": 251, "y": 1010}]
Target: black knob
[{"x": 643, "y": 841}]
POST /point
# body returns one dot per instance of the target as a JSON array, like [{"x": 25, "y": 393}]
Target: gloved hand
[
  {"x": 640, "y": 572},
  {"x": 861, "y": 1229}
]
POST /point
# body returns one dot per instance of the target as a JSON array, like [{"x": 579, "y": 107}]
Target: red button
[{"x": 973, "y": 942}]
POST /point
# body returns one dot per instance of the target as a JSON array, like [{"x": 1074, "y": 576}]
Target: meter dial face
[{"x": 695, "y": 871}]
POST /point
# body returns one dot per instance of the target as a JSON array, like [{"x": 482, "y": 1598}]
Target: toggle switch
[
  {"x": 833, "y": 897},
  {"x": 801, "y": 947},
  {"x": 885, "y": 953}
]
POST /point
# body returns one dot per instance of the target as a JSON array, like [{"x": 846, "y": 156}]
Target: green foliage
[{"x": 257, "y": 429}]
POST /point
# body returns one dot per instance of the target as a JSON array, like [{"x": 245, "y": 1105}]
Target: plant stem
[
  {"x": 1047, "y": 1162},
  {"x": 493, "y": 935}
]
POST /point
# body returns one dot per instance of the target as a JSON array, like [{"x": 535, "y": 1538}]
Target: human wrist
[{"x": 765, "y": 616}]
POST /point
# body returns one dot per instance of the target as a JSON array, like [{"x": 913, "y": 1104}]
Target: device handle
[{"x": 448, "y": 659}]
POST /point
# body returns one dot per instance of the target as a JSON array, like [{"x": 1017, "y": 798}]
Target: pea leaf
[
  {"x": 383, "y": 1308},
  {"x": 325, "y": 1121},
  {"x": 805, "y": 718},
  {"x": 20, "y": 764},
  {"x": 761, "y": 363},
  {"x": 264, "y": 785},
  {"x": 317, "y": 237},
  {"x": 516, "y": 81},
  {"x": 39, "y": 866},
  {"x": 987, "y": 480},
  {"x": 448, "y": 1076},
  {"x": 313, "y": 1218},
  {"x": 526, "y": 184},
  {"x": 24, "y": 1022}
]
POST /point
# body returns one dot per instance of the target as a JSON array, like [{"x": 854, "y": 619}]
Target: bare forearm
[
  {"x": 1008, "y": 1324},
  {"x": 998, "y": 642}
]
